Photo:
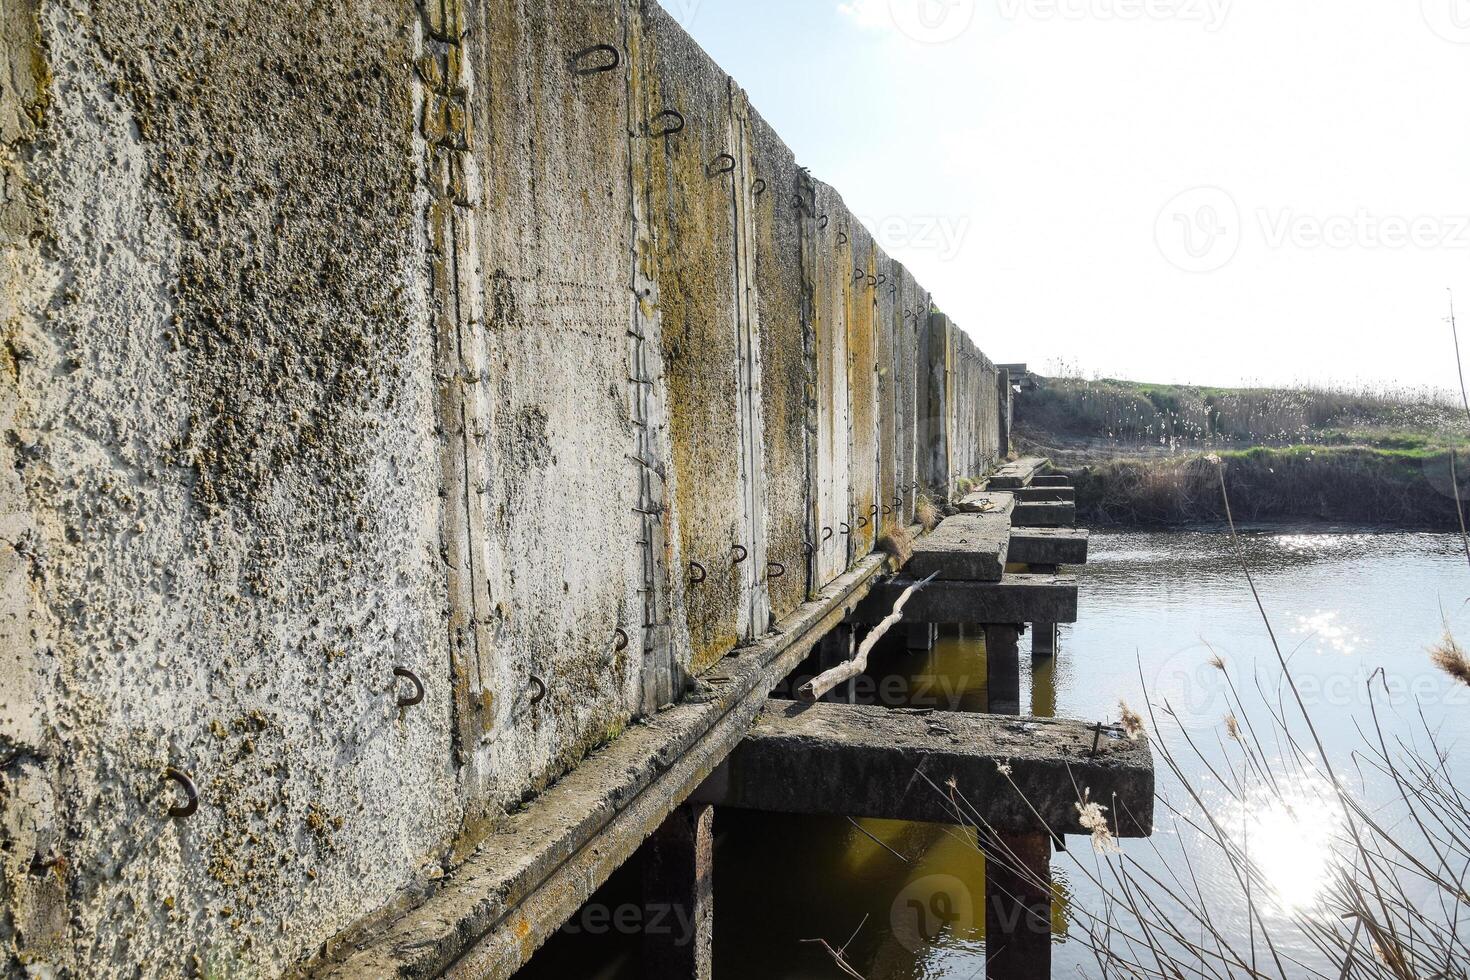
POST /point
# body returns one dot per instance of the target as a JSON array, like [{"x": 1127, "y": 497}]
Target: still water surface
[{"x": 1155, "y": 606}]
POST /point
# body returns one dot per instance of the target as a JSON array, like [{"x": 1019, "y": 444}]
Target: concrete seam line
[{"x": 401, "y": 947}]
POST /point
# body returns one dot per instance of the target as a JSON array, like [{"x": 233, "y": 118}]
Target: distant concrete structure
[{"x": 401, "y": 402}]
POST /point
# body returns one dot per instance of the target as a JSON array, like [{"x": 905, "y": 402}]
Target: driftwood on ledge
[{"x": 813, "y": 689}]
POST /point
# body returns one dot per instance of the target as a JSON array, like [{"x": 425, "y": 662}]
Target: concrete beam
[
  {"x": 528, "y": 874},
  {"x": 1014, "y": 599},
  {"x": 871, "y": 761},
  {"x": 1034, "y": 494},
  {"x": 965, "y": 547},
  {"x": 1056, "y": 513},
  {"x": 1051, "y": 480},
  {"x": 678, "y": 876},
  {"x": 1048, "y": 546},
  {"x": 1017, "y": 474}
]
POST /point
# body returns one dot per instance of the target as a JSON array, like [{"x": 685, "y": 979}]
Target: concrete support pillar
[
  {"x": 920, "y": 636},
  {"x": 1044, "y": 639},
  {"x": 1018, "y": 866},
  {"x": 678, "y": 891},
  {"x": 1018, "y": 907},
  {"x": 1003, "y": 669}
]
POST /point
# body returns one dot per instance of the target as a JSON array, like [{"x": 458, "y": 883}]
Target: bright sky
[{"x": 1195, "y": 191}]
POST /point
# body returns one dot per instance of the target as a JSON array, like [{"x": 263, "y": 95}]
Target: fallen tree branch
[{"x": 813, "y": 689}]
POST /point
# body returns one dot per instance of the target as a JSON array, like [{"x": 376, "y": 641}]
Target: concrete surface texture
[{"x": 352, "y": 337}]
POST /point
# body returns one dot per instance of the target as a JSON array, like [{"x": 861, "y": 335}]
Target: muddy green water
[{"x": 906, "y": 899}]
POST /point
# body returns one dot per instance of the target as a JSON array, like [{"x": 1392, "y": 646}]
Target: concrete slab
[
  {"x": 1051, "y": 480},
  {"x": 1052, "y": 513},
  {"x": 871, "y": 761},
  {"x": 1048, "y": 546},
  {"x": 1014, "y": 599},
  {"x": 1034, "y": 494},
  {"x": 989, "y": 502},
  {"x": 963, "y": 548},
  {"x": 1017, "y": 474}
]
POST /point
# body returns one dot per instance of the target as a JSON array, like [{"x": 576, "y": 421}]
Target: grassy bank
[
  {"x": 1346, "y": 485},
  {"x": 1127, "y": 413}
]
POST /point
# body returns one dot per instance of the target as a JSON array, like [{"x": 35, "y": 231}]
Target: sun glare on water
[{"x": 1289, "y": 840}]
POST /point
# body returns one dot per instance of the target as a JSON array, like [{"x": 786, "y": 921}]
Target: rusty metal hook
[
  {"x": 722, "y": 164},
  {"x": 191, "y": 793},
  {"x": 538, "y": 688},
  {"x": 842, "y": 238},
  {"x": 822, "y": 223},
  {"x": 580, "y": 56},
  {"x": 699, "y": 572},
  {"x": 622, "y": 643},
  {"x": 676, "y": 124},
  {"x": 845, "y": 528},
  {"x": 887, "y": 510},
  {"x": 827, "y": 535},
  {"x": 872, "y": 282},
  {"x": 882, "y": 278},
  {"x": 774, "y": 569},
  {"x": 862, "y": 521},
  {"x": 758, "y": 188},
  {"x": 740, "y": 553},
  {"x": 857, "y": 274},
  {"x": 418, "y": 687},
  {"x": 874, "y": 511}
]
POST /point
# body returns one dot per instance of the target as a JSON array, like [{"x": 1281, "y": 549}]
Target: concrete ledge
[
  {"x": 1047, "y": 546},
  {"x": 1055, "y": 513},
  {"x": 965, "y": 547},
  {"x": 868, "y": 761},
  {"x": 1012, "y": 476},
  {"x": 532, "y": 872},
  {"x": 1014, "y": 599},
  {"x": 1051, "y": 480}
]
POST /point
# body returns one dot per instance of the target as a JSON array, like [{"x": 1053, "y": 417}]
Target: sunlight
[{"x": 1289, "y": 840}]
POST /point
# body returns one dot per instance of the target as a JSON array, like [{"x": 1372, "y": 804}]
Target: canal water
[{"x": 906, "y": 900}]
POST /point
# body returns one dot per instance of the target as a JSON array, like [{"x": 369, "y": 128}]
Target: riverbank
[
  {"x": 1341, "y": 485},
  {"x": 1143, "y": 454}
]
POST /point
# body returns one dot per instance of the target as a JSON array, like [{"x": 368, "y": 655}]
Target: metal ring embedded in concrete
[
  {"x": 722, "y": 164},
  {"x": 882, "y": 278},
  {"x": 191, "y": 793},
  {"x": 758, "y": 188},
  {"x": 827, "y": 534},
  {"x": 538, "y": 690},
  {"x": 845, "y": 528},
  {"x": 676, "y": 123},
  {"x": 887, "y": 510},
  {"x": 872, "y": 282},
  {"x": 418, "y": 687},
  {"x": 622, "y": 636},
  {"x": 775, "y": 569},
  {"x": 862, "y": 522},
  {"x": 842, "y": 238},
  {"x": 579, "y": 57},
  {"x": 699, "y": 573},
  {"x": 740, "y": 554},
  {"x": 874, "y": 511},
  {"x": 822, "y": 223}
]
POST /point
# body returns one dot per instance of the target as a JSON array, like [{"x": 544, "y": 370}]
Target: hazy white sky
[{"x": 1201, "y": 191}]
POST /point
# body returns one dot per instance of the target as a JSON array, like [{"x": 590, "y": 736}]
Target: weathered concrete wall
[{"x": 341, "y": 338}]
